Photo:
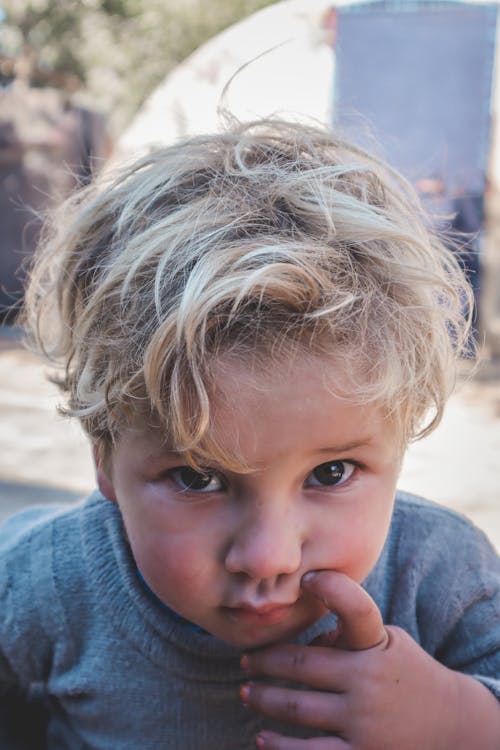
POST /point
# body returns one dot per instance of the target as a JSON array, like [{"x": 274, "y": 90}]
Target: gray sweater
[{"x": 90, "y": 658}]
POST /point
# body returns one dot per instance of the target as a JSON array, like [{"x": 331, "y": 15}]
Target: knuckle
[
  {"x": 293, "y": 709},
  {"x": 396, "y": 638},
  {"x": 298, "y": 658},
  {"x": 396, "y": 633}
]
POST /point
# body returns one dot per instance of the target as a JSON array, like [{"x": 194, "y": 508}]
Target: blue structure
[{"x": 413, "y": 82}]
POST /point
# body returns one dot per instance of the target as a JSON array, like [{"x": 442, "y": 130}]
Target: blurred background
[{"x": 85, "y": 84}]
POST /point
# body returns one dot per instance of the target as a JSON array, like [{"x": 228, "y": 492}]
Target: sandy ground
[{"x": 45, "y": 457}]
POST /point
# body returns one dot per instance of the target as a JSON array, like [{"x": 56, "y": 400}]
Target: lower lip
[{"x": 250, "y": 617}]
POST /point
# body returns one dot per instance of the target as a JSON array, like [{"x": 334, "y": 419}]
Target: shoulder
[
  {"x": 32, "y": 533},
  {"x": 427, "y": 536},
  {"x": 26, "y": 541},
  {"x": 446, "y": 586},
  {"x": 419, "y": 521},
  {"x": 40, "y": 545},
  {"x": 42, "y": 581},
  {"x": 437, "y": 570}
]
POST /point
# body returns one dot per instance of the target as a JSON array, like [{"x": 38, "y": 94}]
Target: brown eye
[
  {"x": 190, "y": 480},
  {"x": 330, "y": 473}
]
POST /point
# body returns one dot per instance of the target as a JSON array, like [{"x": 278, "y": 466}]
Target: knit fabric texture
[{"x": 95, "y": 662}]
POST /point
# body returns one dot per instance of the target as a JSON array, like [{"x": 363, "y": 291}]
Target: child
[{"x": 252, "y": 326}]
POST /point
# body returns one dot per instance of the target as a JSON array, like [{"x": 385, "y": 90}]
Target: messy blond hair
[{"x": 268, "y": 239}]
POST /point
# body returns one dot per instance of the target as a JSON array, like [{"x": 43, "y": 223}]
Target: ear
[{"x": 104, "y": 481}]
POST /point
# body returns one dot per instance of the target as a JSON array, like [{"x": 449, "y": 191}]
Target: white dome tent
[{"x": 280, "y": 61}]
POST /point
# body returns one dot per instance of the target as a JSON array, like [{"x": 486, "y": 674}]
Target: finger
[
  {"x": 362, "y": 626},
  {"x": 307, "y": 708},
  {"x": 319, "y": 668},
  {"x": 329, "y": 639},
  {"x": 271, "y": 741}
]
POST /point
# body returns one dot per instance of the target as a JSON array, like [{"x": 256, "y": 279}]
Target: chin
[{"x": 260, "y": 637}]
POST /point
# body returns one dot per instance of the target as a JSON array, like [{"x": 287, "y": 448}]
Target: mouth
[{"x": 267, "y": 614}]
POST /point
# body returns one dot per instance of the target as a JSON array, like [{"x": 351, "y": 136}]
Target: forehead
[
  {"x": 301, "y": 379},
  {"x": 304, "y": 401},
  {"x": 261, "y": 412}
]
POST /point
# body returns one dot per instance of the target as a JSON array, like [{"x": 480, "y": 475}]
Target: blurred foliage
[{"x": 116, "y": 50}]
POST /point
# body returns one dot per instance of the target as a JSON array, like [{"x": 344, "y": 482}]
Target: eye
[
  {"x": 330, "y": 473},
  {"x": 190, "y": 480}
]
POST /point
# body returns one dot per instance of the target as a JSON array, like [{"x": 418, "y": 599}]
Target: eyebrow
[
  {"x": 343, "y": 448},
  {"x": 170, "y": 454},
  {"x": 346, "y": 447}
]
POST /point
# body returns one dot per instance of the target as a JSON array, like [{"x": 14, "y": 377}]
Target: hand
[{"x": 372, "y": 687}]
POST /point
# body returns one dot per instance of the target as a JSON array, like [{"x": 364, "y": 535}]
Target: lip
[{"x": 268, "y": 614}]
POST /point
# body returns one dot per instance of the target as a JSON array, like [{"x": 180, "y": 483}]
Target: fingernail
[
  {"x": 262, "y": 739},
  {"x": 309, "y": 577},
  {"x": 245, "y": 694}
]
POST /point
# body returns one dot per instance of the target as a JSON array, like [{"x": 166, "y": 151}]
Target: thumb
[{"x": 360, "y": 622}]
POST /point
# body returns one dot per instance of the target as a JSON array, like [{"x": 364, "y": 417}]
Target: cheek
[
  {"x": 179, "y": 573},
  {"x": 182, "y": 555},
  {"x": 351, "y": 541},
  {"x": 360, "y": 558},
  {"x": 174, "y": 552}
]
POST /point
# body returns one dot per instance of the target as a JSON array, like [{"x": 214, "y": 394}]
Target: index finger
[{"x": 362, "y": 626}]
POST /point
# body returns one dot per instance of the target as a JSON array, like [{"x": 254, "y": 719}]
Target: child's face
[{"x": 226, "y": 550}]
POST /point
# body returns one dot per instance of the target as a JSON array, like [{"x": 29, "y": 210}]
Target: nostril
[{"x": 263, "y": 562}]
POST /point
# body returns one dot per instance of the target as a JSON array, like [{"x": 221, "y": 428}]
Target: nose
[{"x": 267, "y": 543}]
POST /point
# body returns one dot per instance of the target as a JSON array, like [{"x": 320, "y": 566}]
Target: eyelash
[
  {"x": 327, "y": 465},
  {"x": 171, "y": 474},
  {"x": 348, "y": 467}
]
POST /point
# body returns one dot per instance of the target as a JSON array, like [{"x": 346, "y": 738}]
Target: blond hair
[{"x": 267, "y": 239}]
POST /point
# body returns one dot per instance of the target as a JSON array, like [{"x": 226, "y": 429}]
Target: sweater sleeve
[
  {"x": 24, "y": 645},
  {"x": 24, "y": 570}
]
